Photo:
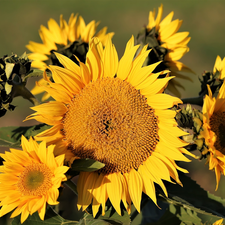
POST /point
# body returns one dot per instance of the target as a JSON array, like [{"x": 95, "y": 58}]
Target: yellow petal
[
  {"x": 135, "y": 186},
  {"x": 110, "y": 59},
  {"x": 114, "y": 190},
  {"x": 148, "y": 185},
  {"x": 67, "y": 63},
  {"x": 162, "y": 101}
]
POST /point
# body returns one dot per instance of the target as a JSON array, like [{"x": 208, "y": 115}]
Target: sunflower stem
[{"x": 72, "y": 186}]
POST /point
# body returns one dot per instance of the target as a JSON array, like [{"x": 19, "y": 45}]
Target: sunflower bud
[
  {"x": 190, "y": 120},
  {"x": 213, "y": 80}
]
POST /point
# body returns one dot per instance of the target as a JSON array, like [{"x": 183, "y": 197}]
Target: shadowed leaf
[
  {"x": 110, "y": 218},
  {"x": 51, "y": 217},
  {"x": 11, "y": 136}
]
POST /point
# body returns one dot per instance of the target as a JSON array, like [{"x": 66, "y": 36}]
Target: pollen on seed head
[{"x": 110, "y": 121}]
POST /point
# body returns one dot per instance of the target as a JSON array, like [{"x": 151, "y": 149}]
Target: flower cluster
[{"x": 110, "y": 123}]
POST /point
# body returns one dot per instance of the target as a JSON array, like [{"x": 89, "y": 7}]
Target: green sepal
[
  {"x": 77, "y": 48},
  {"x": 213, "y": 80},
  {"x": 11, "y": 136}
]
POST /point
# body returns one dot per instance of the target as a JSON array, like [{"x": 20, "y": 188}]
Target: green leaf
[
  {"x": 178, "y": 215},
  {"x": 110, "y": 218},
  {"x": 11, "y": 136},
  {"x": 192, "y": 197},
  {"x": 51, "y": 217},
  {"x": 87, "y": 165},
  {"x": 89, "y": 221}
]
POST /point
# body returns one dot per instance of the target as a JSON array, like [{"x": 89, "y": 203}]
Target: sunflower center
[
  {"x": 35, "y": 180},
  {"x": 110, "y": 121},
  {"x": 217, "y": 123}
]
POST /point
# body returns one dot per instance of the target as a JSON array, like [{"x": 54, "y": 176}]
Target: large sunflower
[
  {"x": 114, "y": 112},
  {"x": 70, "y": 39},
  {"x": 168, "y": 45},
  {"x": 30, "y": 178},
  {"x": 213, "y": 131}
]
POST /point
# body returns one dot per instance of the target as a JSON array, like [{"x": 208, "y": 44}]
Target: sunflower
[
  {"x": 30, "y": 178},
  {"x": 68, "y": 39},
  {"x": 219, "y": 66},
  {"x": 218, "y": 222},
  {"x": 114, "y": 112},
  {"x": 168, "y": 45},
  {"x": 213, "y": 131},
  {"x": 213, "y": 78}
]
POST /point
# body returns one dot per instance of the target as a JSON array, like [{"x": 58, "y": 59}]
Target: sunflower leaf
[
  {"x": 110, "y": 218},
  {"x": 51, "y": 217},
  {"x": 192, "y": 197},
  {"x": 178, "y": 215},
  {"x": 87, "y": 165},
  {"x": 10, "y": 136}
]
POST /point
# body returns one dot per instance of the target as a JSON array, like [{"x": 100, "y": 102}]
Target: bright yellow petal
[
  {"x": 114, "y": 190},
  {"x": 135, "y": 186}
]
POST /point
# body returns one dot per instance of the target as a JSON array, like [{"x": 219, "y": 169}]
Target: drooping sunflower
[
  {"x": 70, "y": 39},
  {"x": 114, "y": 112},
  {"x": 168, "y": 46},
  {"x": 213, "y": 131},
  {"x": 30, "y": 178}
]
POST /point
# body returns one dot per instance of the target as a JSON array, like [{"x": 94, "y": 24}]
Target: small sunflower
[
  {"x": 114, "y": 112},
  {"x": 29, "y": 179},
  {"x": 70, "y": 39},
  {"x": 168, "y": 45},
  {"x": 213, "y": 131}
]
